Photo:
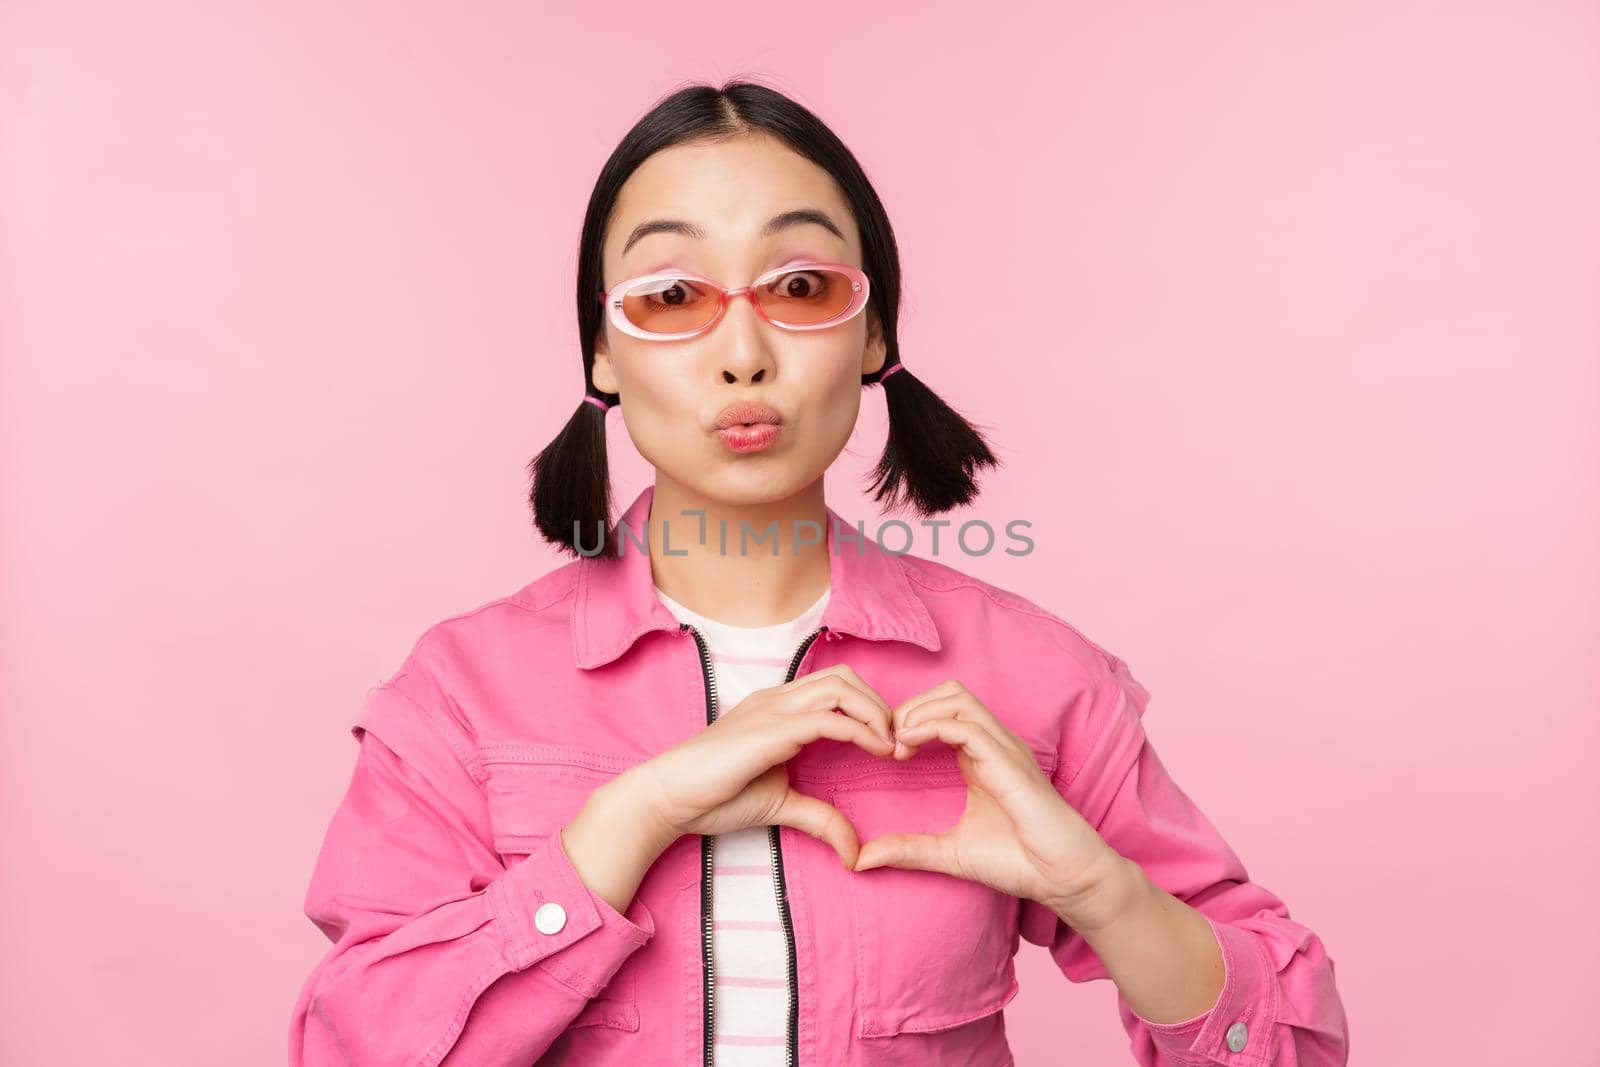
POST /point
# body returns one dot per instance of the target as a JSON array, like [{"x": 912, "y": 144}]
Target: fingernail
[{"x": 899, "y": 747}]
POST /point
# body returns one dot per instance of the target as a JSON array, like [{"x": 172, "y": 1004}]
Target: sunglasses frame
[{"x": 861, "y": 289}]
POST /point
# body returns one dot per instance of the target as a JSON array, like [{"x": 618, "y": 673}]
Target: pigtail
[
  {"x": 933, "y": 453},
  {"x": 572, "y": 484}
]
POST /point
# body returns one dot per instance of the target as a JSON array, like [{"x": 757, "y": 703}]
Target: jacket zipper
[{"x": 706, "y": 843}]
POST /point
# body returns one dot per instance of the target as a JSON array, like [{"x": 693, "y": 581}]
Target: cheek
[
  {"x": 833, "y": 399},
  {"x": 836, "y": 375},
  {"x": 661, "y": 402}
]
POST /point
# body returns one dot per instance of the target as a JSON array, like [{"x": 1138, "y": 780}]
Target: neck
[{"x": 736, "y": 576}]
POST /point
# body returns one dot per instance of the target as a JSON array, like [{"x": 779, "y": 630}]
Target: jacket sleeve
[
  {"x": 435, "y": 949},
  {"x": 1278, "y": 1004}
]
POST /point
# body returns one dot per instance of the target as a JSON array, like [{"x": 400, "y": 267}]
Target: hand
[
  {"x": 732, "y": 775},
  {"x": 1017, "y": 834}
]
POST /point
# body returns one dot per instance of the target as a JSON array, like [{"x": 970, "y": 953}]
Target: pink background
[{"x": 1289, "y": 344}]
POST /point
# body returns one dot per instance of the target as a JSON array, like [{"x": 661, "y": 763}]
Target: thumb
[
  {"x": 821, "y": 820},
  {"x": 918, "y": 852}
]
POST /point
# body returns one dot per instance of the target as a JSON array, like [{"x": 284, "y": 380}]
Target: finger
[
  {"x": 845, "y": 673},
  {"x": 848, "y": 673},
  {"x": 901, "y": 714},
  {"x": 806, "y": 726},
  {"x": 919, "y": 852},
  {"x": 999, "y": 768},
  {"x": 838, "y": 671},
  {"x": 981, "y": 746},
  {"x": 835, "y": 694},
  {"x": 938, "y": 692},
  {"x": 963, "y": 705},
  {"x": 822, "y": 821}
]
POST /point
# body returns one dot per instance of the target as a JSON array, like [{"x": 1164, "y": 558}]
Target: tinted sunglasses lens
[
  {"x": 670, "y": 305},
  {"x": 806, "y": 296}
]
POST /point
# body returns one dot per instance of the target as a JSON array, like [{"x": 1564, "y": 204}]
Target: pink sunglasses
[{"x": 673, "y": 305}]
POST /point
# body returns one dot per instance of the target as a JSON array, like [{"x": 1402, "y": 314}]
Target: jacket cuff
[
  {"x": 1238, "y": 1029},
  {"x": 592, "y": 940}
]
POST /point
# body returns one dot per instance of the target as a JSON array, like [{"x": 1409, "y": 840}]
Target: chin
[{"x": 756, "y": 483}]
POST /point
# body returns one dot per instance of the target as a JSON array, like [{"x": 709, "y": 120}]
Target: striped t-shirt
[{"x": 750, "y": 955}]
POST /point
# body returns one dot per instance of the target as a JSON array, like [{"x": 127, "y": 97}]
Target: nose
[{"x": 745, "y": 352}]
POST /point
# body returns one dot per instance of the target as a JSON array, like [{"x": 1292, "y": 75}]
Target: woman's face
[{"x": 673, "y": 391}]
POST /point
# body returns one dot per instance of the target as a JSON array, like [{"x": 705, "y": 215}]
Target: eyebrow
[{"x": 776, "y": 224}]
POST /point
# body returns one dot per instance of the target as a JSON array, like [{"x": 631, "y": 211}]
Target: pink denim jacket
[{"x": 463, "y": 934}]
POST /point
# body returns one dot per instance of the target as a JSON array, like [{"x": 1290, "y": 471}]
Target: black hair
[{"x": 933, "y": 453}]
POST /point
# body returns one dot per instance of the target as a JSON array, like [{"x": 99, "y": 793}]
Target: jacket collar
[{"x": 870, "y": 595}]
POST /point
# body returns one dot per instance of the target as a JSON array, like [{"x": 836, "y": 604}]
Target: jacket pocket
[
  {"x": 933, "y": 951},
  {"x": 532, "y": 793}
]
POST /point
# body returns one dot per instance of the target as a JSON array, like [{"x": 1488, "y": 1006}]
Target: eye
[
  {"x": 806, "y": 285},
  {"x": 668, "y": 294}
]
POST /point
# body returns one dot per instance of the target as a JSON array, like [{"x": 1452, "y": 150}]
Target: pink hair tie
[
  {"x": 597, "y": 402},
  {"x": 891, "y": 370}
]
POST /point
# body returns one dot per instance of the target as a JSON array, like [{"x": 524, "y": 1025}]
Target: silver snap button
[
  {"x": 1237, "y": 1035},
  {"x": 551, "y": 917}
]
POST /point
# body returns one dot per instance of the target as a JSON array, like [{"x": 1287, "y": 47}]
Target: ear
[
  {"x": 877, "y": 349},
  {"x": 604, "y": 375}
]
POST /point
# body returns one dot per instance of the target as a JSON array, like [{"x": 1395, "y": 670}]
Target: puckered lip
[{"x": 739, "y": 414}]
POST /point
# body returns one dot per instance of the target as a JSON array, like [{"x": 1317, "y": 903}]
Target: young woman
[{"x": 738, "y": 785}]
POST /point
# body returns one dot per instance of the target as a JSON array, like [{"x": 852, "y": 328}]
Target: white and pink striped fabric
[{"x": 749, "y": 952}]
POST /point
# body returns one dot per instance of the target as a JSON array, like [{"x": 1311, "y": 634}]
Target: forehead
[{"x": 728, "y": 189}]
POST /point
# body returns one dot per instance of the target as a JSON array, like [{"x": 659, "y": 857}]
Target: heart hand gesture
[{"x": 1017, "y": 834}]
